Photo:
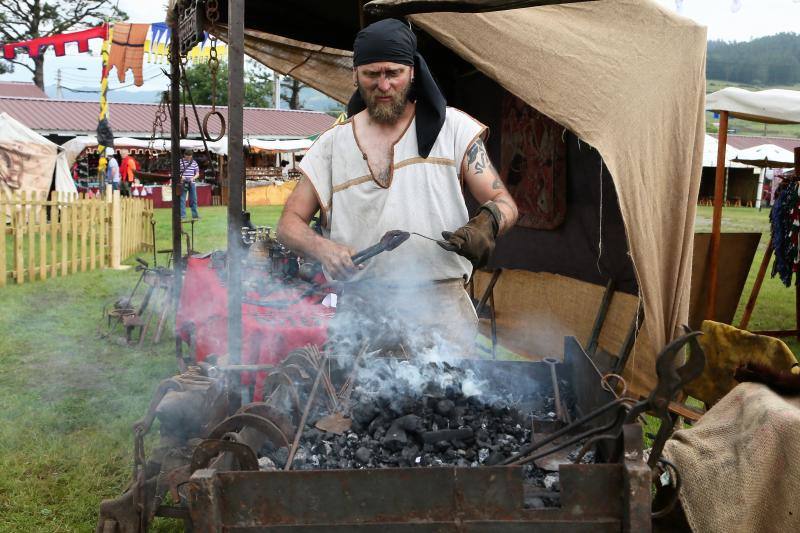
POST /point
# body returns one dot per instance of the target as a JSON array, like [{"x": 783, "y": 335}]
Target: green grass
[
  {"x": 775, "y": 307},
  {"x": 69, "y": 397}
]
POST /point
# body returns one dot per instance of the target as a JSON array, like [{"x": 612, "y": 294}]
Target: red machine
[{"x": 280, "y": 311}]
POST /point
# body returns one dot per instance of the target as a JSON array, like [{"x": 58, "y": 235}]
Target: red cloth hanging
[{"x": 36, "y": 46}]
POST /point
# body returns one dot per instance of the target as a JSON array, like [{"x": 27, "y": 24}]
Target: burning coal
[{"x": 410, "y": 414}]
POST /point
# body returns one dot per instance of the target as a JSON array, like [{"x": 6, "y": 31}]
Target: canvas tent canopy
[
  {"x": 772, "y": 106},
  {"x": 765, "y": 155},
  {"x": 27, "y": 159},
  {"x": 627, "y": 78}
]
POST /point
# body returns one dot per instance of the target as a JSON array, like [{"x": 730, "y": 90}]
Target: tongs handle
[{"x": 368, "y": 253}]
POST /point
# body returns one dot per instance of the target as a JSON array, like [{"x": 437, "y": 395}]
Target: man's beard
[{"x": 387, "y": 113}]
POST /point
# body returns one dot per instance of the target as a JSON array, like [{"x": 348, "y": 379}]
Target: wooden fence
[{"x": 67, "y": 233}]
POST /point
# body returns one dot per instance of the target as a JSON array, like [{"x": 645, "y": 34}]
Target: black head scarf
[{"x": 393, "y": 41}]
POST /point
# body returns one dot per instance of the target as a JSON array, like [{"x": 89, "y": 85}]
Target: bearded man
[{"x": 399, "y": 163}]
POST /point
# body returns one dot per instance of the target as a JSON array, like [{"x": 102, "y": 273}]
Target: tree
[
  {"x": 290, "y": 93},
  {"x": 257, "y": 88},
  {"x": 22, "y": 20}
]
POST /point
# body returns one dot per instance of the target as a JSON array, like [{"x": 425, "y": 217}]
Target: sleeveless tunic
[{"x": 422, "y": 195}]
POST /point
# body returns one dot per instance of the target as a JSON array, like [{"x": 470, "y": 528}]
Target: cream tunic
[{"x": 423, "y": 196}]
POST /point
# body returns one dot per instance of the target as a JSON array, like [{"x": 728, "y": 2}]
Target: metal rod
[
  {"x": 493, "y": 317},
  {"x": 602, "y": 312},
  {"x": 716, "y": 221},
  {"x": 175, "y": 156},
  {"x": 489, "y": 290},
  {"x": 630, "y": 340},
  {"x": 155, "y": 254},
  {"x": 235, "y": 176},
  {"x": 299, "y": 432},
  {"x": 556, "y": 389}
]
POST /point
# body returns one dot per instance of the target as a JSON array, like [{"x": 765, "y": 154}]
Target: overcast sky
[
  {"x": 731, "y": 20},
  {"x": 740, "y": 20}
]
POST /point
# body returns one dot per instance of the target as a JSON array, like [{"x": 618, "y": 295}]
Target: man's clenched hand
[{"x": 336, "y": 259}]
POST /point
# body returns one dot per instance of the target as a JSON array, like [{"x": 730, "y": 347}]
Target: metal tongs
[{"x": 390, "y": 240}]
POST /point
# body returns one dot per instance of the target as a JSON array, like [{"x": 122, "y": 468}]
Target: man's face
[
  {"x": 384, "y": 87},
  {"x": 187, "y": 157}
]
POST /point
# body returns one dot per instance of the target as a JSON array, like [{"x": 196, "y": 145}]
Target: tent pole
[
  {"x": 716, "y": 223},
  {"x": 175, "y": 157},
  {"x": 760, "y": 189},
  {"x": 235, "y": 176}
]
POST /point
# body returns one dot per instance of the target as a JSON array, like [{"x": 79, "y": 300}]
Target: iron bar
[
  {"x": 175, "y": 157},
  {"x": 489, "y": 290},
  {"x": 602, "y": 312},
  {"x": 235, "y": 175},
  {"x": 299, "y": 431}
]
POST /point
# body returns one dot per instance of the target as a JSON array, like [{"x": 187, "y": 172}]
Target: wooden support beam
[{"x": 716, "y": 221}]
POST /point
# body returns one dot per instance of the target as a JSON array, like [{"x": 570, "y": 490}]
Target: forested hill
[{"x": 772, "y": 60}]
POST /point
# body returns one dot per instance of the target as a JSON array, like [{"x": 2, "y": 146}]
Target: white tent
[
  {"x": 765, "y": 155},
  {"x": 278, "y": 145},
  {"x": 27, "y": 159},
  {"x": 710, "y": 147},
  {"x": 773, "y": 106}
]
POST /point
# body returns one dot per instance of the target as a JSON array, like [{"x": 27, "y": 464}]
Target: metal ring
[
  {"x": 607, "y": 386},
  {"x": 675, "y": 479},
  {"x": 184, "y": 127},
  {"x": 205, "y": 126}
]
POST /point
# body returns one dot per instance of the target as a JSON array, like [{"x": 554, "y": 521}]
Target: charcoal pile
[{"x": 403, "y": 414}]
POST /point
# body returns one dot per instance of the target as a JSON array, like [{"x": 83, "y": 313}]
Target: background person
[
  {"x": 112, "y": 169},
  {"x": 189, "y": 171},
  {"x": 127, "y": 170}
]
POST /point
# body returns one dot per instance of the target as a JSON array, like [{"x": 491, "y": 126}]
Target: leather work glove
[{"x": 475, "y": 240}]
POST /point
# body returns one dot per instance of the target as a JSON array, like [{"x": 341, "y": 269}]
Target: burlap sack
[{"x": 740, "y": 464}]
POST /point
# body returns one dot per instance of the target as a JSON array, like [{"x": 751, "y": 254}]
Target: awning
[
  {"x": 773, "y": 106},
  {"x": 278, "y": 146},
  {"x": 765, "y": 156},
  {"x": 710, "y": 147}
]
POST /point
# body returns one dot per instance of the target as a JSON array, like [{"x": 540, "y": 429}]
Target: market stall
[{"x": 773, "y": 106}]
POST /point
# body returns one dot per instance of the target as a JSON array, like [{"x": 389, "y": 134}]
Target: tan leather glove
[{"x": 475, "y": 240}]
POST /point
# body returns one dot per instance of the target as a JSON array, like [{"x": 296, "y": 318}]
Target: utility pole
[
  {"x": 58, "y": 85},
  {"x": 277, "y": 79}
]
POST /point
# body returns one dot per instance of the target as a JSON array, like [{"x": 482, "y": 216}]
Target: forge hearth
[
  {"x": 398, "y": 419},
  {"x": 426, "y": 458}
]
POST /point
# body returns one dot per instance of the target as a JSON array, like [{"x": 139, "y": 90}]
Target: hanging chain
[
  {"x": 158, "y": 121},
  {"x": 212, "y": 13}
]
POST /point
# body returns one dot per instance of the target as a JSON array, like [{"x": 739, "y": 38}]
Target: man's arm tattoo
[
  {"x": 497, "y": 184},
  {"x": 507, "y": 204},
  {"x": 477, "y": 155}
]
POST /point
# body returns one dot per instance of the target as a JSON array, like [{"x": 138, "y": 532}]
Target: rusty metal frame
[{"x": 596, "y": 497}]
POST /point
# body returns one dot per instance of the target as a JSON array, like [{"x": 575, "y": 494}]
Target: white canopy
[
  {"x": 710, "y": 146},
  {"x": 767, "y": 156},
  {"x": 278, "y": 145},
  {"x": 28, "y": 158},
  {"x": 75, "y": 146},
  {"x": 773, "y": 106}
]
